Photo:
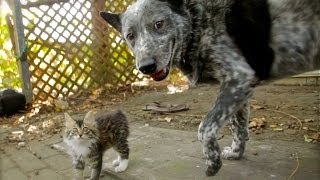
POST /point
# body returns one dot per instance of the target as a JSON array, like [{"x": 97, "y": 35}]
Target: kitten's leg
[
  {"x": 116, "y": 162},
  {"x": 78, "y": 165},
  {"x": 96, "y": 165},
  {"x": 123, "y": 159}
]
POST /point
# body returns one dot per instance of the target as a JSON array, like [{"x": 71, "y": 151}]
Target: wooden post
[
  {"x": 21, "y": 49},
  {"x": 98, "y": 47}
]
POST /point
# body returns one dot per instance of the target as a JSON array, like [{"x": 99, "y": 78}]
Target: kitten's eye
[
  {"x": 130, "y": 36},
  {"x": 158, "y": 24},
  {"x": 86, "y": 130},
  {"x": 74, "y": 130}
]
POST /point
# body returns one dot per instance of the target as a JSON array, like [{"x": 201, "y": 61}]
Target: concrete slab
[
  {"x": 26, "y": 160},
  {"x": 172, "y": 154},
  {"x": 47, "y": 174},
  {"x": 6, "y": 163},
  {"x": 42, "y": 150},
  {"x": 163, "y": 154},
  {"x": 13, "y": 174},
  {"x": 59, "y": 162}
]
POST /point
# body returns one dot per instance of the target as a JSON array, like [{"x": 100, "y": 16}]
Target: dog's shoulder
[{"x": 247, "y": 23}]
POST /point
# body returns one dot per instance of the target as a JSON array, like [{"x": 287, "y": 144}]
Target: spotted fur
[
  {"x": 89, "y": 138},
  {"x": 237, "y": 42}
]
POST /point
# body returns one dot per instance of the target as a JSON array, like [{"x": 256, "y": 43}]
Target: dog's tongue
[{"x": 159, "y": 75}]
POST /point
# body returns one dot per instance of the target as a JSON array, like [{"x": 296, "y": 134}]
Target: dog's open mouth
[{"x": 163, "y": 73}]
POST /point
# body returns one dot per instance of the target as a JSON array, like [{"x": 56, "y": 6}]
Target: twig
[
  {"x": 183, "y": 115},
  {"x": 288, "y": 115},
  {"x": 296, "y": 169}
]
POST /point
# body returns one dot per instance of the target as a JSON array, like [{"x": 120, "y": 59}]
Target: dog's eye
[
  {"x": 158, "y": 24},
  {"x": 130, "y": 36}
]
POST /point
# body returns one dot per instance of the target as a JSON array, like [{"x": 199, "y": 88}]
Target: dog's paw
[
  {"x": 230, "y": 154},
  {"x": 213, "y": 168},
  {"x": 122, "y": 166}
]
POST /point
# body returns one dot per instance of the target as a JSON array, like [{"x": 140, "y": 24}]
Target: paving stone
[
  {"x": 27, "y": 161},
  {"x": 46, "y": 174},
  {"x": 44, "y": 151},
  {"x": 53, "y": 140},
  {"x": 187, "y": 169},
  {"x": 13, "y": 174},
  {"x": 59, "y": 162},
  {"x": 163, "y": 154},
  {"x": 66, "y": 173},
  {"x": 6, "y": 163}
]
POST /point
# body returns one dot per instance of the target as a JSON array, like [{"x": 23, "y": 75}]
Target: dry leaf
[
  {"x": 257, "y": 123},
  {"x": 32, "y": 128},
  {"x": 252, "y": 124},
  {"x": 168, "y": 119},
  {"x": 260, "y": 121},
  {"x": 308, "y": 120},
  {"x": 315, "y": 136},
  {"x": 277, "y": 129},
  {"x": 257, "y": 107},
  {"x": 307, "y": 138},
  {"x": 273, "y": 126}
]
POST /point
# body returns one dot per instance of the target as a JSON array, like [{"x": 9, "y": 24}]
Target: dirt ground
[{"x": 277, "y": 111}]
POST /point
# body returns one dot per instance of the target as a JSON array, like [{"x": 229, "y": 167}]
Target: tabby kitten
[{"x": 89, "y": 138}]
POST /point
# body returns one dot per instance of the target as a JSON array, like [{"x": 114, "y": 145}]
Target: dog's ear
[
  {"x": 113, "y": 19},
  {"x": 176, "y": 4}
]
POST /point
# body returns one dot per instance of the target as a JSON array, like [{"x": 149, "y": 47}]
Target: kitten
[{"x": 88, "y": 139}]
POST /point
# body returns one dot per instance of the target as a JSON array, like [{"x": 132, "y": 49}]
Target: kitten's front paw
[
  {"x": 122, "y": 166},
  {"x": 115, "y": 163}
]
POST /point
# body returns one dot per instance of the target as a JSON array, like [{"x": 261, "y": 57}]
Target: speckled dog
[{"x": 237, "y": 42}]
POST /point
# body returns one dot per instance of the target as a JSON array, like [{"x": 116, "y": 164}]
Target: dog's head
[{"x": 156, "y": 31}]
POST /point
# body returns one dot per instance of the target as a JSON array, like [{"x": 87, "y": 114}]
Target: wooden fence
[{"x": 69, "y": 47}]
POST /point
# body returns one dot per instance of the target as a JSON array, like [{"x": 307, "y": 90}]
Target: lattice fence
[{"x": 71, "y": 48}]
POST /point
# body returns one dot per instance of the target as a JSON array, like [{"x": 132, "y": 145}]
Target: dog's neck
[{"x": 191, "y": 64}]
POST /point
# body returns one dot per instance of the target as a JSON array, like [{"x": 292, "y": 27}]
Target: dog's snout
[{"x": 148, "y": 66}]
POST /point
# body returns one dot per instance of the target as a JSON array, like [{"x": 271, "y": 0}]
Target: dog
[{"x": 239, "y": 43}]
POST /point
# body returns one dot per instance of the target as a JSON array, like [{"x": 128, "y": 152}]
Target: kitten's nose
[{"x": 80, "y": 135}]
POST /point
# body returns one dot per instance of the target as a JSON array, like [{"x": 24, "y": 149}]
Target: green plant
[{"x": 9, "y": 74}]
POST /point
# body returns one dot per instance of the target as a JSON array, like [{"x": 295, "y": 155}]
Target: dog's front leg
[
  {"x": 240, "y": 134},
  {"x": 233, "y": 96}
]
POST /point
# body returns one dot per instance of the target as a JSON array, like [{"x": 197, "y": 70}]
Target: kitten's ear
[
  {"x": 69, "y": 121},
  {"x": 89, "y": 118},
  {"x": 113, "y": 19}
]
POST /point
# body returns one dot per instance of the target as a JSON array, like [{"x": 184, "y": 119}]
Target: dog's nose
[{"x": 148, "y": 66}]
